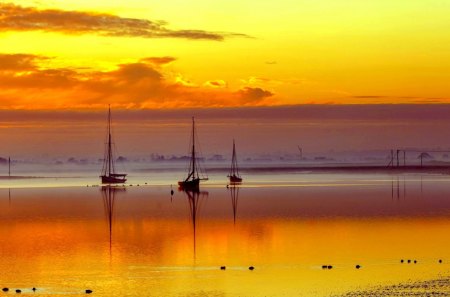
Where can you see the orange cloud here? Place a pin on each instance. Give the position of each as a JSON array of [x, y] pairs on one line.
[[143, 84], [17, 18]]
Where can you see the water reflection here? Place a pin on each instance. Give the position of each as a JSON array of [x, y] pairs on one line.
[[234, 192], [195, 199], [108, 194]]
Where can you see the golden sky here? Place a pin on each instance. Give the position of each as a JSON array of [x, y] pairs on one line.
[[170, 54]]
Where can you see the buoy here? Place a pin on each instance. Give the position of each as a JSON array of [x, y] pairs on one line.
[[440, 261], [222, 268], [5, 289], [409, 261], [34, 289], [88, 291], [324, 266], [401, 261], [415, 261], [171, 192], [358, 266], [330, 267], [18, 291], [251, 268]]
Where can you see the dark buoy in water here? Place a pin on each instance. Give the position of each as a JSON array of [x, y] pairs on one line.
[[409, 261], [415, 261], [88, 291], [329, 267], [358, 266], [440, 261], [18, 291], [171, 192], [222, 268], [5, 289], [34, 289], [251, 268], [401, 261], [324, 266]]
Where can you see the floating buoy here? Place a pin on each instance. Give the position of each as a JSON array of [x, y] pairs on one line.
[[415, 261], [324, 266], [18, 291], [88, 291], [440, 261], [358, 266], [251, 268], [409, 261], [329, 267], [401, 261], [34, 289], [222, 268], [5, 289]]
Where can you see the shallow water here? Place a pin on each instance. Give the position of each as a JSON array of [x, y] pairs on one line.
[[142, 241]]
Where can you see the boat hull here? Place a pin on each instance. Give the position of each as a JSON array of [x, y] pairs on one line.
[[112, 179], [189, 184], [235, 179]]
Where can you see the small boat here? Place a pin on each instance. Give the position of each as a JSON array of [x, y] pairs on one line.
[[234, 170], [109, 175], [192, 181]]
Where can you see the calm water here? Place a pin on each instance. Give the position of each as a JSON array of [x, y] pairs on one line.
[[142, 241]]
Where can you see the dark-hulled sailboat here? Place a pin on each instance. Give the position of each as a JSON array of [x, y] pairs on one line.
[[192, 181], [109, 175], [234, 170]]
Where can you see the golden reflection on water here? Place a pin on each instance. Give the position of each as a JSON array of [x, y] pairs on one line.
[[143, 242]]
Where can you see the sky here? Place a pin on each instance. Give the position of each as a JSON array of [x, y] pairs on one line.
[[63, 57]]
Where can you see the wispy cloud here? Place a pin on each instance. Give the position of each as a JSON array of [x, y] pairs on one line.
[[18, 18], [26, 84]]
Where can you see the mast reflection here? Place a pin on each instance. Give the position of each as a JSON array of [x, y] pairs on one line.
[[109, 196], [195, 199], [234, 192]]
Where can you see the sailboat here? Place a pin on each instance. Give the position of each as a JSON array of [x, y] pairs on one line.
[[234, 170], [109, 175], [192, 181]]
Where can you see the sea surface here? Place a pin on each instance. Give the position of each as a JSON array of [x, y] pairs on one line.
[[65, 234]]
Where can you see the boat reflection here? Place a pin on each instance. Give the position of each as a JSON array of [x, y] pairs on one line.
[[234, 192], [109, 196], [195, 199]]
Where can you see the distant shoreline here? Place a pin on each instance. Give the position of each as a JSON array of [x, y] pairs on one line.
[[438, 169], [22, 177]]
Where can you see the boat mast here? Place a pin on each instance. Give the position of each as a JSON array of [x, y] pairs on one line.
[[109, 142], [193, 150], [234, 167]]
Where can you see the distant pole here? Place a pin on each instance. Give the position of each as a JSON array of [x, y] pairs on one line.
[[404, 158], [9, 166], [398, 162], [301, 152], [421, 160]]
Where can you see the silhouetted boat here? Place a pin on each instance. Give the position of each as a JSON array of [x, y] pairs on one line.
[[109, 175], [193, 179], [234, 170]]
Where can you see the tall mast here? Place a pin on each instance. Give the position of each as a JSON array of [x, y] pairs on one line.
[[109, 141], [193, 148], [9, 166], [234, 168]]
